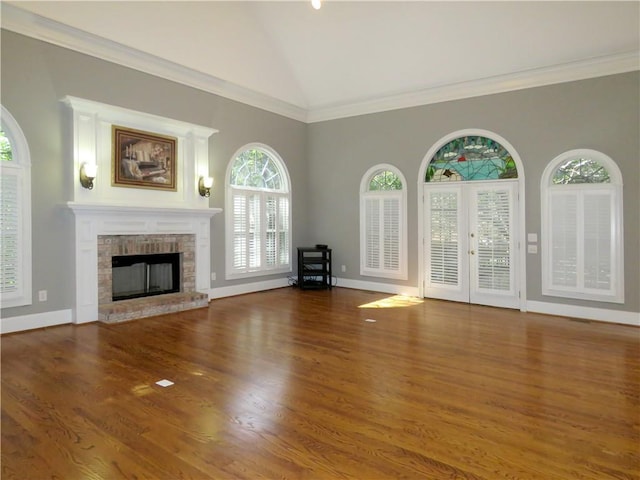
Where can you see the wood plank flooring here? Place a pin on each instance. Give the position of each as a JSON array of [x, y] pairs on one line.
[[292, 384]]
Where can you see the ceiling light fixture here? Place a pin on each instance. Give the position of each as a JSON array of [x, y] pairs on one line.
[[316, 4]]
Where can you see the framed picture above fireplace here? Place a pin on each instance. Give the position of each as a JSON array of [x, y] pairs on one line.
[[143, 160]]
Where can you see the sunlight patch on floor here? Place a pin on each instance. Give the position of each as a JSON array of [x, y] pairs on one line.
[[396, 301]]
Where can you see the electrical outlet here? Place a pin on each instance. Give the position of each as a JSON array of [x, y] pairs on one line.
[[42, 296], [343, 268], [213, 275]]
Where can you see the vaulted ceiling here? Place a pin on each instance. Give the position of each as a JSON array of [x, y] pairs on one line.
[[348, 57]]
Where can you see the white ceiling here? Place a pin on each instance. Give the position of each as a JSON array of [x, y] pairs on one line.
[[347, 57]]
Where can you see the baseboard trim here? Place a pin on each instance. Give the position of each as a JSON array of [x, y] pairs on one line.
[[377, 287], [588, 313], [221, 292], [61, 317], [35, 320]]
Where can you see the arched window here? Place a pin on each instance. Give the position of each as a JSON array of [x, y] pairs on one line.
[[15, 214], [258, 219], [582, 231], [383, 223], [472, 157]]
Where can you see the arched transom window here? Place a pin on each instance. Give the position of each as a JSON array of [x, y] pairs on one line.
[[383, 223], [582, 234], [258, 213], [472, 157]]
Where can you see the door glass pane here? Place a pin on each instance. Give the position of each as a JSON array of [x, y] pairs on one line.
[[494, 241], [444, 238]]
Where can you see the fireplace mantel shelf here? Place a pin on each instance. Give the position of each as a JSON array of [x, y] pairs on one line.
[[111, 209]]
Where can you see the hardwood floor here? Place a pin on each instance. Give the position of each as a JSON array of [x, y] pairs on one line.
[[292, 384]]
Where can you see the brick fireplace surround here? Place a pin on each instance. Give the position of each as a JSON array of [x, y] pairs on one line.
[[115, 245], [106, 230]]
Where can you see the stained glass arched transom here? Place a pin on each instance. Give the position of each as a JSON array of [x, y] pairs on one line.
[[255, 168], [385, 180], [580, 170], [471, 157]]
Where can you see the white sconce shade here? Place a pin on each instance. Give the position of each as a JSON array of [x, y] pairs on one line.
[[205, 184], [88, 173]]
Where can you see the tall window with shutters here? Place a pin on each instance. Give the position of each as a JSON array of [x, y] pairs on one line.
[[15, 214], [582, 230], [258, 219], [383, 223]]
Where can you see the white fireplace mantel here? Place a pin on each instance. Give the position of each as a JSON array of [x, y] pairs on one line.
[[92, 220]]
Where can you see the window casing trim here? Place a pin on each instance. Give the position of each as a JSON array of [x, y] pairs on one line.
[[232, 273], [20, 167], [401, 196], [615, 294]]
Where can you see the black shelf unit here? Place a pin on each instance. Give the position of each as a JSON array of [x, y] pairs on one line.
[[314, 268]]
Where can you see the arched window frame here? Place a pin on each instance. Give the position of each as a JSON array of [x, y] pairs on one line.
[[281, 198], [19, 171], [396, 201], [556, 202]]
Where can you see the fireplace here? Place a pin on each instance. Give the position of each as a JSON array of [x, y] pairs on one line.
[[104, 231], [136, 276]]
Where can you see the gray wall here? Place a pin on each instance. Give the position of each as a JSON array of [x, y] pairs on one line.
[[36, 75], [540, 123], [326, 160]]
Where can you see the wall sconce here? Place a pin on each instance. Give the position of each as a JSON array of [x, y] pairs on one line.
[[88, 174], [204, 186]]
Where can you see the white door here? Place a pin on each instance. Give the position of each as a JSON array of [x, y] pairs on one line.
[[470, 242]]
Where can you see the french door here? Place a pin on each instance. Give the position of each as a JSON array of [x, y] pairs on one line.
[[470, 242]]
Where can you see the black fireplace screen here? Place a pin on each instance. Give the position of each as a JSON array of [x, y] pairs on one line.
[[135, 276]]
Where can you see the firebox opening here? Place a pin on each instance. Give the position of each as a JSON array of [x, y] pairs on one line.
[[135, 276]]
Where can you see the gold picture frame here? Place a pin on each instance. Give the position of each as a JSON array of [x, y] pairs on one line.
[[143, 160]]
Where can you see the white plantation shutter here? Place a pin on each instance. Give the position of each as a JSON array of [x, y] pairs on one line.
[[271, 252], [383, 235], [283, 247], [581, 255], [598, 254], [255, 228], [373, 242], [246, 231], [443, 260], [494, 243], [582, 247], [240, 231], [10, 233], [391, 250], [564, 239]]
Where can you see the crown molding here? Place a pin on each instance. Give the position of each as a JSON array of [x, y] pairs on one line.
[[35, 26], [581, 70]]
